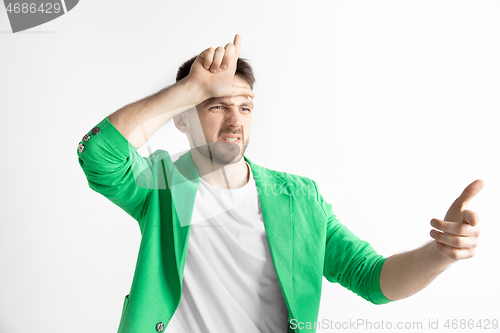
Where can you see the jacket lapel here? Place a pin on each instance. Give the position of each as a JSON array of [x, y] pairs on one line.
[[276, 205]]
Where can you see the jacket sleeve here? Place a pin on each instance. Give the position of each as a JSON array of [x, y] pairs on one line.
[[350, 261], [110, 162]]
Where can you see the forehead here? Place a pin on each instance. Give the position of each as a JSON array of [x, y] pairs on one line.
[[240, 81]]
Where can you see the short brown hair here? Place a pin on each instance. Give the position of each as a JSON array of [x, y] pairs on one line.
[[243, 69]]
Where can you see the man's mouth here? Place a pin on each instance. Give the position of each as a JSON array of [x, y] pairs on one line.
[[231, 138]]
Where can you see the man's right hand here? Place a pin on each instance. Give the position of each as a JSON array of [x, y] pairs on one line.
[[138, 121], [214, 69]]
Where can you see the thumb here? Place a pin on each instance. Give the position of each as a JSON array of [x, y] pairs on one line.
[[469, 192], [243, 91]]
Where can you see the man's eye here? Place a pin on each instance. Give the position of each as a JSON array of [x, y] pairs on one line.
[[220, 107]]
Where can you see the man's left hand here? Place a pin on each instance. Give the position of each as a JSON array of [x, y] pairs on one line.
[[456, 236]]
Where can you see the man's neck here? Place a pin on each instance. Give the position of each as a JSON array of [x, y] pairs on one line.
[[229, 176]]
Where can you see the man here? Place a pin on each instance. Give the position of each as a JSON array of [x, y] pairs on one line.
[[228, 245]]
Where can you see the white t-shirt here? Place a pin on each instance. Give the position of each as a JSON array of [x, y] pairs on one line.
[[230, 283]]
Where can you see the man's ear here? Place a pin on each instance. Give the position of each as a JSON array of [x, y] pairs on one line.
[[181, 123]]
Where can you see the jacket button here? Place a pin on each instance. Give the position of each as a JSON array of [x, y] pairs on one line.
[[96, 130], [160, 327], [81, 147], [86, 137]]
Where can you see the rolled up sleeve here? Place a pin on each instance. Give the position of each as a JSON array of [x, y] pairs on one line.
[[109, 162], [350, 261]]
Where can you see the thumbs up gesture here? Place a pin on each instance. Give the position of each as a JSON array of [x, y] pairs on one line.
[[456, 236]]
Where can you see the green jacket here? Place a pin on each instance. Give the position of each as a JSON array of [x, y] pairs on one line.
[[306, 239]]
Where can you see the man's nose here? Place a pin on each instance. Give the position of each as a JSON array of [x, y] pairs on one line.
[[234, 118]]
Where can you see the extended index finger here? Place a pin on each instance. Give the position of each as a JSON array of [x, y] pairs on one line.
[[237, 47]]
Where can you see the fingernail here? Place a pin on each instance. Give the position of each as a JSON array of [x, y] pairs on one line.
[[207, 67], [213, 70], [223, 66]]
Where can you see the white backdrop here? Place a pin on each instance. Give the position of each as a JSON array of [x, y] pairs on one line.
[[391, 106]]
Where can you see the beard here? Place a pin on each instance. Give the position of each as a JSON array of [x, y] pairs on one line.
[[219, 152]]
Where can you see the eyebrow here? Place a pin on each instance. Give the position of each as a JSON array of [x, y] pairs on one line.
[[219, 102]]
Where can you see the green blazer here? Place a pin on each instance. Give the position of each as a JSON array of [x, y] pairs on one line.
[[306, 239]]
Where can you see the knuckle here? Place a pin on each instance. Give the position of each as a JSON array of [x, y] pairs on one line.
[[462, 229], [454, 255], [456, 242]]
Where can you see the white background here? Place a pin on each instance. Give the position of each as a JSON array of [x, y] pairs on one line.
[[390, 106]]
